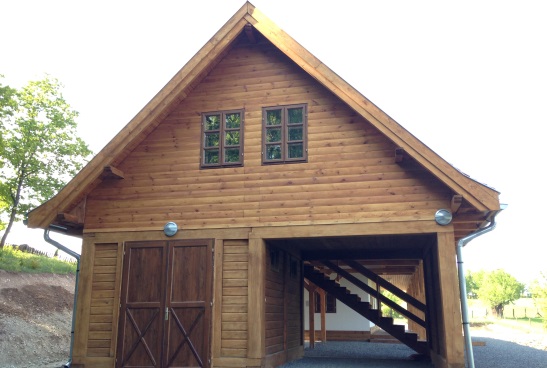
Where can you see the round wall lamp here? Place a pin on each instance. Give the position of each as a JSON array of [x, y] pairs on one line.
[[443, 217], [170, 229]]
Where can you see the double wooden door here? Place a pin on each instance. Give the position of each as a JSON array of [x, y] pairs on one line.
[[165, 315]]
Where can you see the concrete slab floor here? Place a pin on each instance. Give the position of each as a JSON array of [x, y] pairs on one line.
[[337, 354]]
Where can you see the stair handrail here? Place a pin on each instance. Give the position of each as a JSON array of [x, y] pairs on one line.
[[369, 290], [386, 284]]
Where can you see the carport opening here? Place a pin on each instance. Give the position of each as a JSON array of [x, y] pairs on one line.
[[358, 272]]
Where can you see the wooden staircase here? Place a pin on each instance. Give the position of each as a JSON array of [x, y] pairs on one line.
[[363, 308]]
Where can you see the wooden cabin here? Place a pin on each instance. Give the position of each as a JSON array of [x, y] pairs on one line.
[[254, 176]]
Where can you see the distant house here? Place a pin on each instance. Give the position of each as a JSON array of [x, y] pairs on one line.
[[254, 174]]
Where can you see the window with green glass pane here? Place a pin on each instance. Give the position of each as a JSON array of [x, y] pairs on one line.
[[222, 143], [273, 117], [233, 121], [296, 150], [212, 122], [212, 139], [231, 138], [295, 116], [273, 135], [231, 155], [211, 157], [284, 134], [273, 152], [296, 133]]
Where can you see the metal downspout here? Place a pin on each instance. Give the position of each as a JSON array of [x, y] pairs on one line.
[[77, 256], [463, 289]]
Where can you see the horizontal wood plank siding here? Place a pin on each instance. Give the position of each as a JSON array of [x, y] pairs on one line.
[[234, 298], [351, 175], [293, 295], [275, 302], [102, 307]]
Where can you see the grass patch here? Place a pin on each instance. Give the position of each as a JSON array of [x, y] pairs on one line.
[[14, 260]]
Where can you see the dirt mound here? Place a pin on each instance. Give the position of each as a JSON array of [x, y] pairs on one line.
[[35, 319]]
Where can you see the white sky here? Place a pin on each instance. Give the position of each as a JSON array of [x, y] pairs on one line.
[[468, 78]]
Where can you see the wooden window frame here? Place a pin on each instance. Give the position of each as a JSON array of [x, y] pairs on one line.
[[330, 304], [222, 134], [284, 142]]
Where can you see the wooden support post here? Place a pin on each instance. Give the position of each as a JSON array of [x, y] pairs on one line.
[[323, 296], [311, 316], [378, 302], [451, 335], [84, 299], [217, 306], [256, 346]]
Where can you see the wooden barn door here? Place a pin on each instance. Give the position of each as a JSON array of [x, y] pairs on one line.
[[142, 303], [166, 299]]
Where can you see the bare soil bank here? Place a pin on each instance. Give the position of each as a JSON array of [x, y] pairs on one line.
[[35, 319]]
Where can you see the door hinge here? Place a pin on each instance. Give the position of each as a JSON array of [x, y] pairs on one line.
[[167, 313]]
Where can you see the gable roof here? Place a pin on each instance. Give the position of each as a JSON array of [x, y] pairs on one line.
[[481, 197]]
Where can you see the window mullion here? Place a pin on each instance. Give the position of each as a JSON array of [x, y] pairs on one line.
[[285, 133], [222, 137]]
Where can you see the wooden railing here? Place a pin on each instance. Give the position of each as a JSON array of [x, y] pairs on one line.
[[375, 293]]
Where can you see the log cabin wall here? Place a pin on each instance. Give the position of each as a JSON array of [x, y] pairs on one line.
[[97, 304], [283, 308], [103, 314], [351, 175], [275, 302], [294, 300], [234, 317]]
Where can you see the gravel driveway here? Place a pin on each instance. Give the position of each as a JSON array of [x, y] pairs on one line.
[[496, 353]]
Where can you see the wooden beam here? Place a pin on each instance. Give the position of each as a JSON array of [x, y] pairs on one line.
[[456, 203], [110, 172], [357, 254], [367, 289], [451, 335], [311, 316], [256, 344], [385, 284], [323, 296], [69, 220]]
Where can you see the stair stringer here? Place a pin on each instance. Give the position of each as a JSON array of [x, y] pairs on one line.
[[363, 308]]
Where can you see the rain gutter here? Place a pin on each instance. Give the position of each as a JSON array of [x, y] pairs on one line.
[[463, 289], [77, 257]]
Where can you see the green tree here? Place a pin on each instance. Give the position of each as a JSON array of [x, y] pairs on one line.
[[386, 310], [8, 103], [473, 282], [39, 148], [7, 108], [497, 289], [538, 288]]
